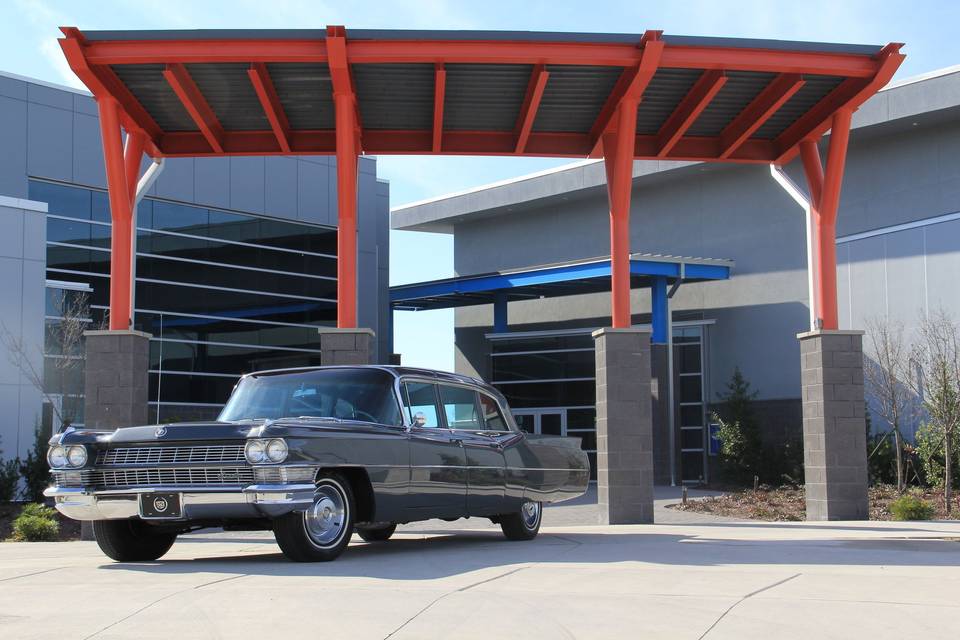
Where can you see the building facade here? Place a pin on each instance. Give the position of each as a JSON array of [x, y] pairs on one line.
[[898, 256], [235, 262]]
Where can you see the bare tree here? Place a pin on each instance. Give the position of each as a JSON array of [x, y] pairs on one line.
[[937, 382], [64, 341], [886, 374]]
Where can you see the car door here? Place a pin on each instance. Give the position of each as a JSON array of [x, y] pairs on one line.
[[438, 473], [483, 448]]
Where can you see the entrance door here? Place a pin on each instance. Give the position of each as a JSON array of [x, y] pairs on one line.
[[548, 422]]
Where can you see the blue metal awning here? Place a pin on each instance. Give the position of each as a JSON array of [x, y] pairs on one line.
[[554, 280]]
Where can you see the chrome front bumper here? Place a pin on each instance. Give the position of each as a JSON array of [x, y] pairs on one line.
[[198, 503]]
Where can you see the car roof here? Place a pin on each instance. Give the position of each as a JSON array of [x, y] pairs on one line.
[[396, 370]]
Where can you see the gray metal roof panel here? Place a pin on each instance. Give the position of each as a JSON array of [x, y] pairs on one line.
[[151, 89], [665, 91], [484, 97], [815, 88], [227, 89], [739, 90], [395, 96], [306, 94], [574, 96]]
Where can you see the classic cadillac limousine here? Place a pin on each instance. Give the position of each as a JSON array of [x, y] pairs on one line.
[[316, 455]]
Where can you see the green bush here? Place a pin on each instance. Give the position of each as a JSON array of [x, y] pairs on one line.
[[37, 510], [930, 451], [9, 478], [741, 451], [908, 507], [36, 523], [35, 470]]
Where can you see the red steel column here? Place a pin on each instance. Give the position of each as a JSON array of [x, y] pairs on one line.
[[825, 188], [829, 204], [346, 124], [813, 169], [618, 151], [121, 233]]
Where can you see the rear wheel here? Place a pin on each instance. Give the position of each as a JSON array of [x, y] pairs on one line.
[[377, 534], [322, 532], [131, 540], [524, 524]]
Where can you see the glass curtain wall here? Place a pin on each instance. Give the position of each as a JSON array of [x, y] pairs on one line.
[[222, 292]]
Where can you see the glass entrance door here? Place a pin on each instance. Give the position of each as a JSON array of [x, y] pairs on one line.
[[548, 422]]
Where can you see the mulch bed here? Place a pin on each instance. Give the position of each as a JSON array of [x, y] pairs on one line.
[[785, 504], [69, 529]]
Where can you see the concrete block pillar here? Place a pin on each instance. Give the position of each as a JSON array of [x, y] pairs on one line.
[[834, 425], [624, 426], [346, 346], [116, 378]]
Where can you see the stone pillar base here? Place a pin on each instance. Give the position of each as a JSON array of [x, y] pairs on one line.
[[116, 378], [346, 346], [834, 425], [624, 427]]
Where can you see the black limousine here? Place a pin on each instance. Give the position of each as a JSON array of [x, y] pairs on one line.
[[315, 455]]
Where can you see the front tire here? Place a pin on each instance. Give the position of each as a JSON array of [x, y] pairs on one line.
[[377, 534], [131, 540], [323, 531], [525, 523]]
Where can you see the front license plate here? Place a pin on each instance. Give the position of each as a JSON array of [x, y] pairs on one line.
[[160, 505]]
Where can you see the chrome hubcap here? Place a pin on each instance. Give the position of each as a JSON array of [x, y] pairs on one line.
[[325, 520], [531, 514]]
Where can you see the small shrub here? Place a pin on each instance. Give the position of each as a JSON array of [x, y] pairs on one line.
[[9, 478], [910, 507], [40, 511], [35, 470], [32, 528]]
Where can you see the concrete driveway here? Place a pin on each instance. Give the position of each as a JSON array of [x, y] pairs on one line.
[[715, 580]]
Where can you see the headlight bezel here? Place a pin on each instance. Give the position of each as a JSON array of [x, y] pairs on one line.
[[62, 452], [257, 451], [281, 445], [77, 448]]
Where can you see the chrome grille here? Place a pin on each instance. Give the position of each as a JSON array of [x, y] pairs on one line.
[[192, 476], [171, 455]]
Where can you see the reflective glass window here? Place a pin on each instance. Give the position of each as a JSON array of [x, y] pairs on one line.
[[420, 404], [460, 407]]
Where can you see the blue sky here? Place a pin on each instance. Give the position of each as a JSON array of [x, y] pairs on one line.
[[28, 32]]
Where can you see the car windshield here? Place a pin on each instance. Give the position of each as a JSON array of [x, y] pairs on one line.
[[346, 394]]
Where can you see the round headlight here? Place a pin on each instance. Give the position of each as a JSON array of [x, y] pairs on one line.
[[277, 450], [77, 456], [57, 457], [255, 451]]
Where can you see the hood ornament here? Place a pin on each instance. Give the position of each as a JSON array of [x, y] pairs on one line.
[[160, 432]]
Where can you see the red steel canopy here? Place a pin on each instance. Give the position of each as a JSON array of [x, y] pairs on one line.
[[616, 96]]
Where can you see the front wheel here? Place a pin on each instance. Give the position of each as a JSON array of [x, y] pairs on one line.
[[131, 540], [323, 531], [524, 524]]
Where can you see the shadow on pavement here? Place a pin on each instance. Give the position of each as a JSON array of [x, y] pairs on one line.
[[451, 553]]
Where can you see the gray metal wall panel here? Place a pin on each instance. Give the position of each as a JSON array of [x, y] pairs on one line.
[[177, 180], [13, 88], [280, 187], [13, 159], [868, 290], [87, 163], [50, 142], [943, 266], [247, 183], [211, 182], [312, 197], [41, 94], [905, 275]]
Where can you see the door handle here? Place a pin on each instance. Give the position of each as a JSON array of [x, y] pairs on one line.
[[458, 441]]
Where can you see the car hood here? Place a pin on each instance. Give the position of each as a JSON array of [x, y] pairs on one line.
[[180, 432]]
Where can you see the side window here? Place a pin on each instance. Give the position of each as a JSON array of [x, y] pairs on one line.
[[460, 408], [491, 414], [420, 404]]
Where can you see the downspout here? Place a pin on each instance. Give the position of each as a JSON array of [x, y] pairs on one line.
[[801, 199], [146, 181]]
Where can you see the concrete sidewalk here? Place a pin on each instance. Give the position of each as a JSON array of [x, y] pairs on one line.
[[720, 580]]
